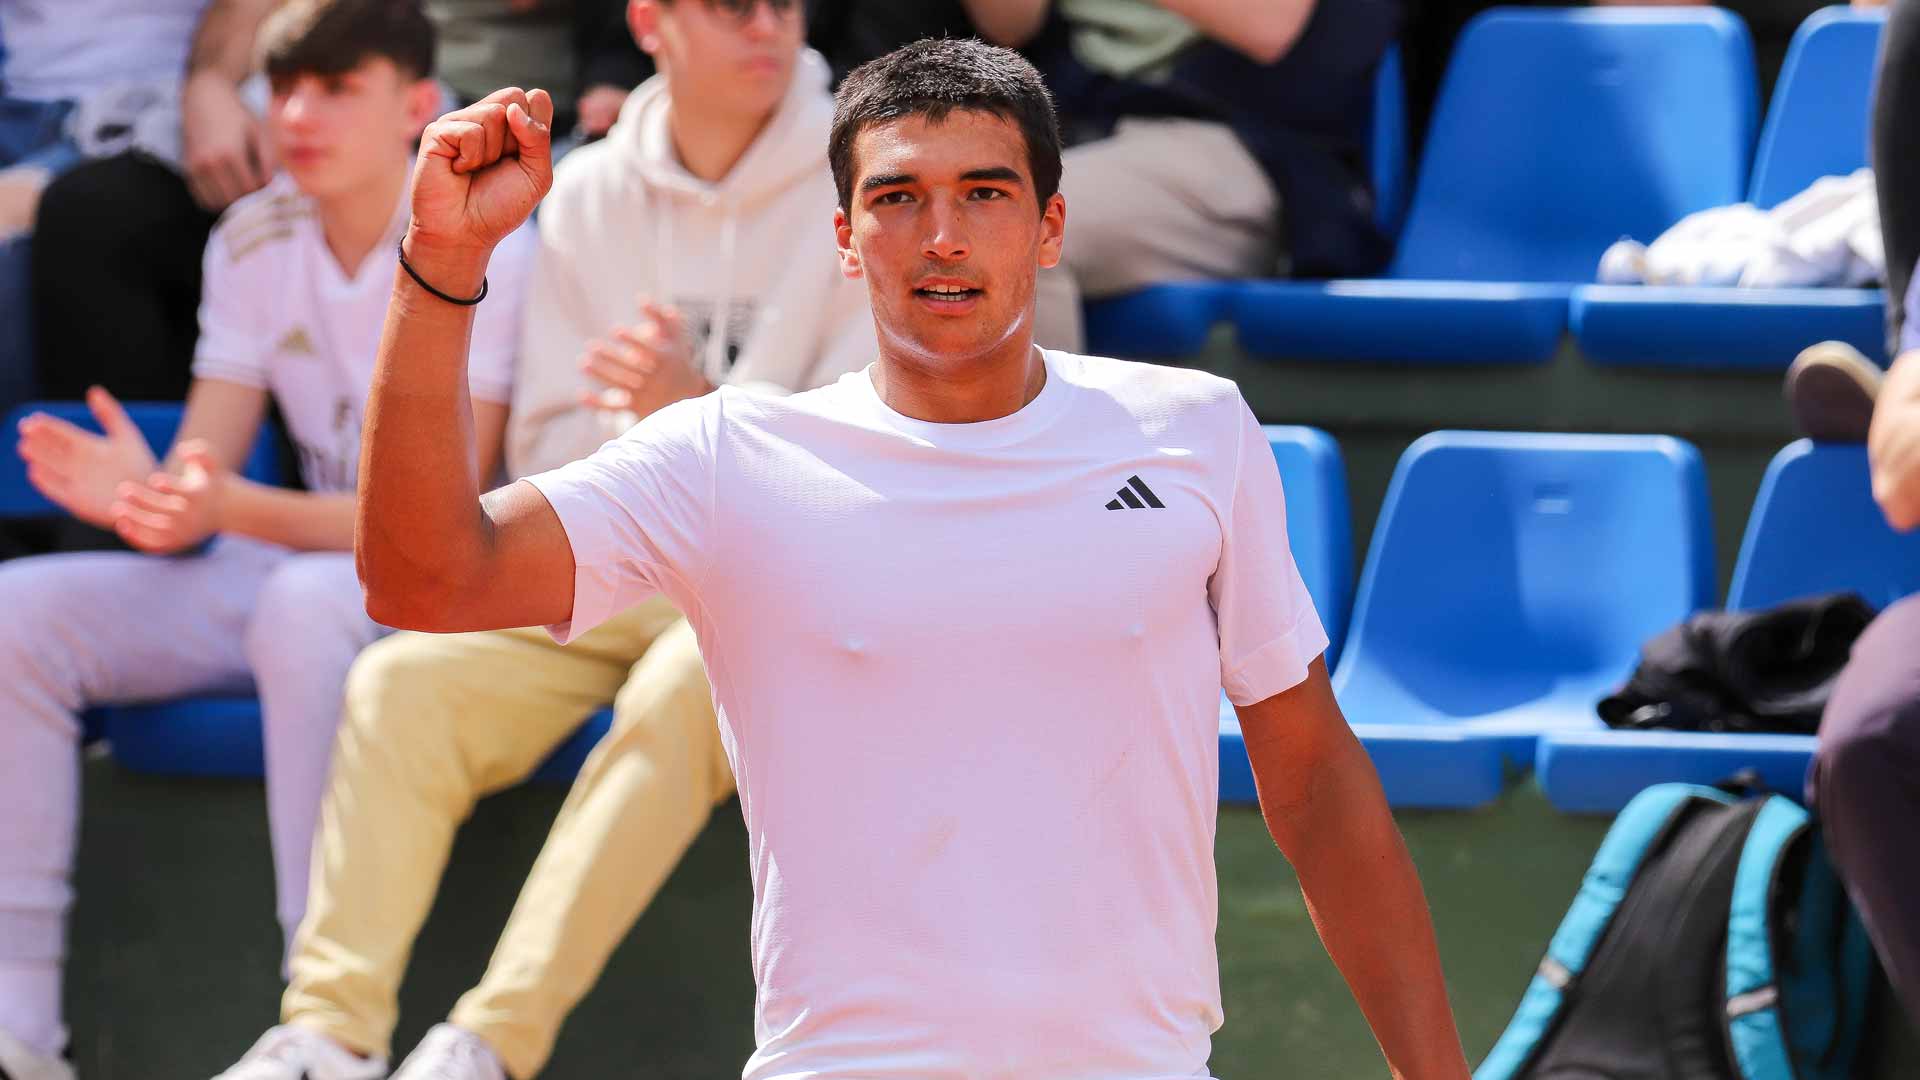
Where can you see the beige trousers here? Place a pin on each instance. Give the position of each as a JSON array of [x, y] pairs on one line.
[[432, 724], [1159, 200]]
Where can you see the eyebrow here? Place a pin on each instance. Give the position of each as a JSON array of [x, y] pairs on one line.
[[994, 172]]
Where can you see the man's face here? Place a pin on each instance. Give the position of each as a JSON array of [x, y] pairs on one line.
[[948, 231], [730, 55], [334, 133]]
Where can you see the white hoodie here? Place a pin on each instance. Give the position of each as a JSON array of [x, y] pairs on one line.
[[626, 219]]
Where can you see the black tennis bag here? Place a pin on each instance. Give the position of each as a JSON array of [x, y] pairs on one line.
[[1710, 940]]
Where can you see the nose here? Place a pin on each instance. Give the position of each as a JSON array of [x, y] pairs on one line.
[[298, 106], [947, 239], [765, 21]]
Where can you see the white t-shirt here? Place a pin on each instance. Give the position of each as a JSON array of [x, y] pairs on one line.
[[973, 710], [59, 50], [278, 313]]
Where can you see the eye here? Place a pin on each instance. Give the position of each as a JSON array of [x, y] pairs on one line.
[[894, 198], [986, 193]]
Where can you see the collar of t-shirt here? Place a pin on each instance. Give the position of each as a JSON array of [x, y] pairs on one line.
[[1024, 423]]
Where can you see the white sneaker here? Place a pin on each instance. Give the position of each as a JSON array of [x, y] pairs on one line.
[[452, 1053], [288, 1052], [17, 1062]]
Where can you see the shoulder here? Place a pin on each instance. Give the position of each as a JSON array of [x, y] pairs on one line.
[[1157, 395], [266, 220], [583, 175]]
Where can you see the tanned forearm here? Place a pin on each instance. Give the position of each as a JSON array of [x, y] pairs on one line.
[[1893, 444], [1366, 902], [1325, 809], [1264, 30], [223, 43], [422, 537]]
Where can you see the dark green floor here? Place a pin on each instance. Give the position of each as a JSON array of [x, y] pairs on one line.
[[175, 953]]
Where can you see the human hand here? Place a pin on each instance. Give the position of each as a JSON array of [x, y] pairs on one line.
[[645, 367], [480, 173], [225, 149], [599, 107], [171, 512], [81, 471]]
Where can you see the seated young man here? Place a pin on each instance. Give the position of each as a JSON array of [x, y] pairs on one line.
[[973, 714], [238, 585], [684, 251], [1206, 139]]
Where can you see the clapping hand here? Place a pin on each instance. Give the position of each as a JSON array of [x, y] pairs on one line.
[[80, 471], [645, 367], [171, 512]]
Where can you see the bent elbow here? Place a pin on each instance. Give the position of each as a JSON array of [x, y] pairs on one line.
[[1899, 503]]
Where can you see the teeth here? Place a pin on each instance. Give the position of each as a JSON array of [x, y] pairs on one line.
[[948, 290]]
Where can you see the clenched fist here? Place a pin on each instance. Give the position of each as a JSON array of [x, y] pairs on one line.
[[480, 173]]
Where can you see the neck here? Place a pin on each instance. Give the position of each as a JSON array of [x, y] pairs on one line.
[[999, 383], [354, 222], [709, 141]]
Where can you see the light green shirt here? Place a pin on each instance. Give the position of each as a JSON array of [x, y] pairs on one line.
[[1127, 39]]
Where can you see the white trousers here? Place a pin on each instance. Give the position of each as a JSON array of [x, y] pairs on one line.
[[1160, 199], [111, 628]]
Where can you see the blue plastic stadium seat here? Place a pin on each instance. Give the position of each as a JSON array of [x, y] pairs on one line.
[[1175, 319], [1814, 529], [156, 420], [1557, 131], [1817, 126], [1320, 533], [220, 736], [1511, 581]]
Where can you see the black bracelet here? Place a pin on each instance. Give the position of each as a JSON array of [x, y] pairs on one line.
[[415, 275]]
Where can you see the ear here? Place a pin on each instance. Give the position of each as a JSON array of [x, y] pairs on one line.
[[1053, 231], [423, 105], [643, 22], [850, 267]]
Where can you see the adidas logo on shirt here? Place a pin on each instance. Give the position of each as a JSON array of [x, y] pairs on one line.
[[1130, 496], [297, 343]]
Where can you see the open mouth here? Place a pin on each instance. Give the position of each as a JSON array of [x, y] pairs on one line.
[[947, 294]]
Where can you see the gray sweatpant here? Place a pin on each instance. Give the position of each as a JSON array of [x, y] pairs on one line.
[[110, 628], [1865, 784]]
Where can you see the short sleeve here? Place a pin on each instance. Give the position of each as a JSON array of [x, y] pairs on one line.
[[234, 341], [1269, 631], [496, 324], [638, 514]]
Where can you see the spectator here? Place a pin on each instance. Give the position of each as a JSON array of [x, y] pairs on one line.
[[710, 202], [125, 233], [239, 584], [1865, 780], [1208, 138], [114, 62], [851, 32], [581, 48]]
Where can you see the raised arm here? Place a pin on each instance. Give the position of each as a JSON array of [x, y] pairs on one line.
[[1324, 807], [1893, 444], [432, 553], [1012, 23], [226, 153]]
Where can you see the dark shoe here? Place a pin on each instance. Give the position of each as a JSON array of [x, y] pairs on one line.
[[1831, 390]]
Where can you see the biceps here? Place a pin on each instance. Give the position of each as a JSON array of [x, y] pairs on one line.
[[529, 569]]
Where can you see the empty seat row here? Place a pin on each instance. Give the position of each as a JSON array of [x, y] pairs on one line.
[[1557, 132]]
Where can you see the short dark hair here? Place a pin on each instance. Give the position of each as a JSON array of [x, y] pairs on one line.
[[331, 37], [939, 76]]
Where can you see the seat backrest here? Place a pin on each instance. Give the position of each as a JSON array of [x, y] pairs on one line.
[[158, 421], [1558, 131], [1817, 123], [1552, 555], [1319, 522], [1815, 528], [1388, 148]]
